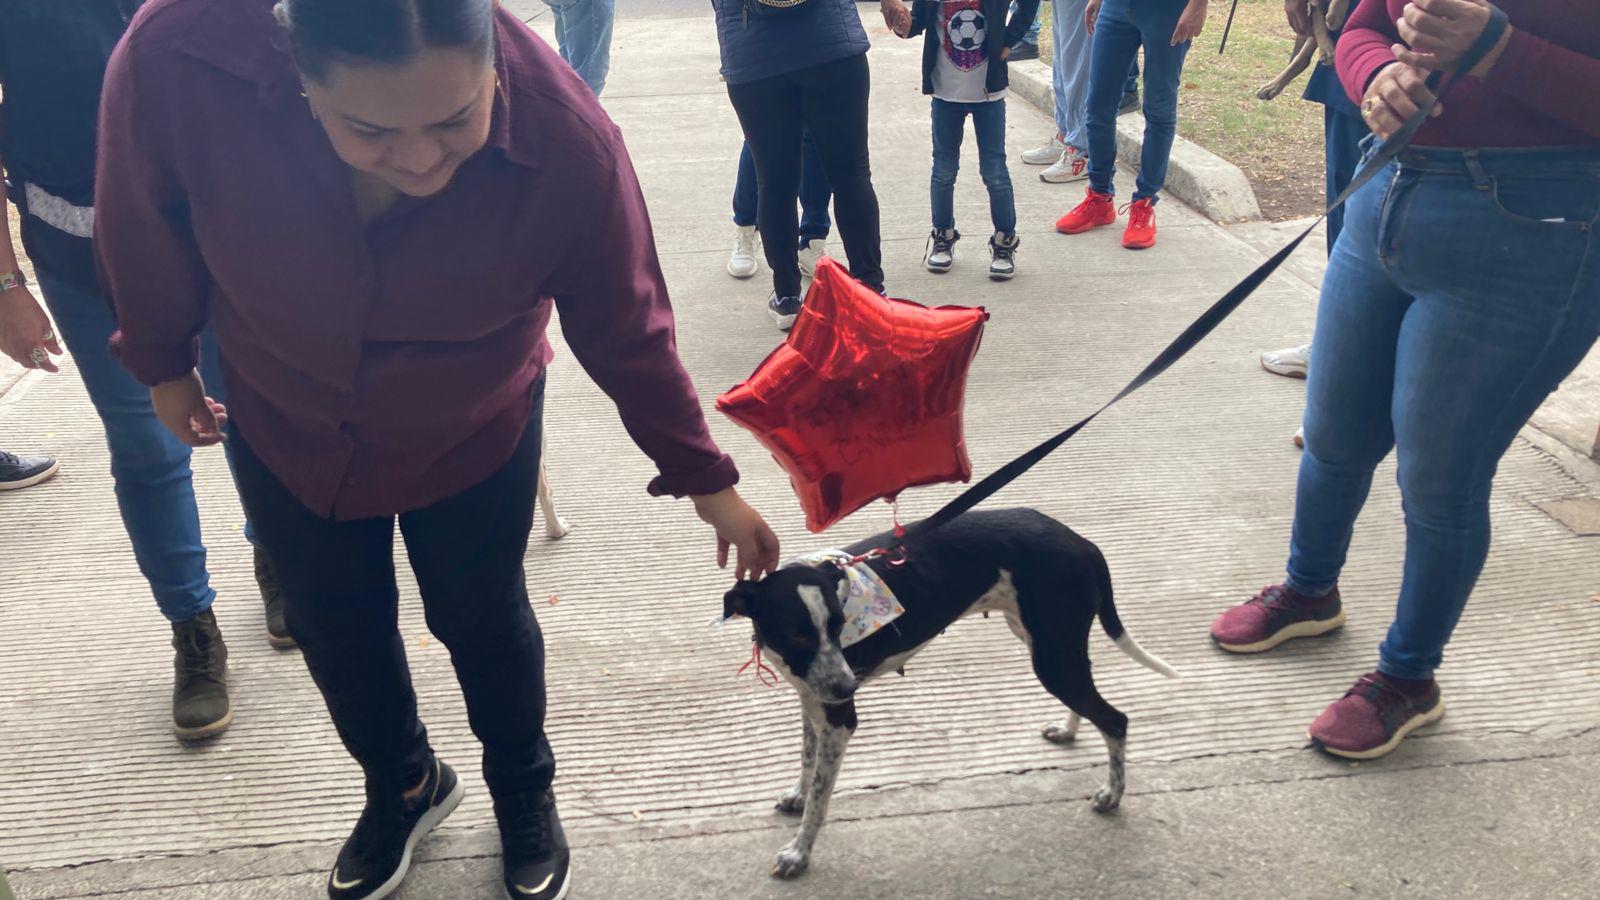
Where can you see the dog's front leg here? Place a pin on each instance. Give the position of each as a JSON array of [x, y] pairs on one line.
[[834, 726], [795, 800]]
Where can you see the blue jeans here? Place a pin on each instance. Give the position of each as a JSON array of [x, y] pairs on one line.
[[1123, 27], [949, 127], [1070, 71], [1341, 137], [1453, 305], [583, 34], [815, 192], [150, 467]]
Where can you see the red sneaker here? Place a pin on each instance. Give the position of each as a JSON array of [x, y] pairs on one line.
[[1273, 616], [1097, 209], [1141, 232], [1375, 715]]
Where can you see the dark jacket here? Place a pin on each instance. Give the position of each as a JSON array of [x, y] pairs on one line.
[[924, 21], [756, 46]]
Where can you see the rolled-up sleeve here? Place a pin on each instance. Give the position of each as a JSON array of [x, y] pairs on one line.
[[1364, 47], [149, 264], [617, 319]]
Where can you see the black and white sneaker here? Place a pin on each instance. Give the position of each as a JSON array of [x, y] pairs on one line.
[[1002, 251], [941, 249], [533, 847], [18, 472], [377, 854], [784, 310]]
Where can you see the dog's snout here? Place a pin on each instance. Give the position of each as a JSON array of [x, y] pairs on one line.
[[845, 688]]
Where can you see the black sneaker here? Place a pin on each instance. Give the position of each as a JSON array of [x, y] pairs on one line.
[[200, 704], [533, 847], [377, 855], [784, 310], [1130, 102], [272, 596], [1023, 51], [18, 472], [941, 250], [1002, 253]]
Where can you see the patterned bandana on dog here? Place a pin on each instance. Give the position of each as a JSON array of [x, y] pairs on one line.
[[868, 603]]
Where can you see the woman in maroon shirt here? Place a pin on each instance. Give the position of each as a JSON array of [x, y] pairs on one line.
[[375, 204], [1464, 287]]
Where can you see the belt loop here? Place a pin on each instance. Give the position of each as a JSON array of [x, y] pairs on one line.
[[1480, 178]]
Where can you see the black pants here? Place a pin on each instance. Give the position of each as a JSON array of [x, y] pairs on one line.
[[341, 606], [831, 101]]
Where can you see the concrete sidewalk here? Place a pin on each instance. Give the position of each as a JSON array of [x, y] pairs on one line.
[[669, 764]]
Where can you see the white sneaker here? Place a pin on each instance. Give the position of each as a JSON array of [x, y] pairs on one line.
[[1046, 153], [742, 262], [1073, 165], [814, 250], [1002, 256], [942, 250], [1292, 361]]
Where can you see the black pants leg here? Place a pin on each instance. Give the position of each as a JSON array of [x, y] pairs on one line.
[[769, 112], [341, 606], [833, 100]]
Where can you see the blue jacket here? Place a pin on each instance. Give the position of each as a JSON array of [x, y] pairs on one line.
[[756, 46]]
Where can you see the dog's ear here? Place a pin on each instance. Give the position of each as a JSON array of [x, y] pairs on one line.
[[737, 602]]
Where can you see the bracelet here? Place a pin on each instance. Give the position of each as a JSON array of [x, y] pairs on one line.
[[10, 280]]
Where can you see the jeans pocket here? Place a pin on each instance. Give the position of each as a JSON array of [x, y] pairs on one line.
[[1563, 202]]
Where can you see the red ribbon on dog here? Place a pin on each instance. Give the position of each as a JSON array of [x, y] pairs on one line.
[[763, 671]]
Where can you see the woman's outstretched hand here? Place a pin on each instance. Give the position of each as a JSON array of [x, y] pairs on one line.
[[738, 525]]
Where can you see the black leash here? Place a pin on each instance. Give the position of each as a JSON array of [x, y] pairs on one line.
[[1225, 30], [1211, 318]]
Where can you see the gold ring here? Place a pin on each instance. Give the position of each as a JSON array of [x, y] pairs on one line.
[[1369, 105]]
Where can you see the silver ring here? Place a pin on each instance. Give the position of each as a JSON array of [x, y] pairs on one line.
[[38, 357], [49, 336]]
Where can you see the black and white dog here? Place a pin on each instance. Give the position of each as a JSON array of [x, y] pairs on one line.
[[1046, 580]]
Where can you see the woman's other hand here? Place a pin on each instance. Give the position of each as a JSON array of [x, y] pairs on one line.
[[186, 411]]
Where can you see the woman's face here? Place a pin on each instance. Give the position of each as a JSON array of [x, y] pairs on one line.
[[410, 125]]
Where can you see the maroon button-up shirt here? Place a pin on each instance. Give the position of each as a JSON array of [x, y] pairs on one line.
[[379, 368]]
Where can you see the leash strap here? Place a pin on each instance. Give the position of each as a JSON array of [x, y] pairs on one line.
[[1219, 311]]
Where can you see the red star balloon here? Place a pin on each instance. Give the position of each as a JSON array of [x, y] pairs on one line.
[[865, 397]]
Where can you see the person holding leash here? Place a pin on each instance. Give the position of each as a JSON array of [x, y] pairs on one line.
[[349, 193], [1461, 292]]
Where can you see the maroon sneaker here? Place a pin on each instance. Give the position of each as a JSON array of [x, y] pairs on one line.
[[1273, 616], [1375, 715]]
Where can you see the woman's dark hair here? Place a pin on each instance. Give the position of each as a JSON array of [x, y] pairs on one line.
[[323, 32]]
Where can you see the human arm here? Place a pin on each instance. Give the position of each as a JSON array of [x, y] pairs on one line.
[[1554, 80], [1021, 21], [897, 16], [24, 327], [149, 263], [1190, 23], [616, 317]]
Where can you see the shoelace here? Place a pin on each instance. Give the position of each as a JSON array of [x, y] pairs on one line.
[[9, 459], [525, 827], [1001, 251], [193, 659], [1140, 215], [939, 243], [1381, 694], [1273, 595]]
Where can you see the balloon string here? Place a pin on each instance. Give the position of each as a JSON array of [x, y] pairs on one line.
[[763, 671]]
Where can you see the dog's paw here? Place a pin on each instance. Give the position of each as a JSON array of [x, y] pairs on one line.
[[792, 803], [790, 863], [557, 529], [1105, 800], [1059, 733]]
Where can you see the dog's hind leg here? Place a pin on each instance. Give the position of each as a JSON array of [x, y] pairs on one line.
[[1073, 685], [834, 724], [794, 801]]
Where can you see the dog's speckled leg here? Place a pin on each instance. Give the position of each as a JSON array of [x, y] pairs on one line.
[[1109, 797], [834, 725], [794, 801]]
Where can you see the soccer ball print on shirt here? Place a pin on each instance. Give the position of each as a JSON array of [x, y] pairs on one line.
[[965, 32]]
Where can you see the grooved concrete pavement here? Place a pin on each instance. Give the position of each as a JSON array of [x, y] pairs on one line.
[[667, 759]]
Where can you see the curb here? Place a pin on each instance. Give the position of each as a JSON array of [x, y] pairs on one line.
[[1212, 185]]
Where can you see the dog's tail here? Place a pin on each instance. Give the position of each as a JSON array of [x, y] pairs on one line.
[[1124, 641]]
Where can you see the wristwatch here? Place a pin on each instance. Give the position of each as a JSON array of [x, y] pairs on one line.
[[9, 280]]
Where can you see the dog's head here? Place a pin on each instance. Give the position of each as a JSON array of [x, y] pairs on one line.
[[798, 614]]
